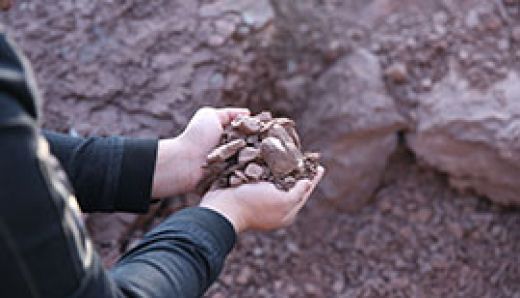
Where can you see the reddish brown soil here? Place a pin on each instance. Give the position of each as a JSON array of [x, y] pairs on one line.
[[141, 68]]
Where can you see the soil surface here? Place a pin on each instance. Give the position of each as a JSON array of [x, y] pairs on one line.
[[141, 68]]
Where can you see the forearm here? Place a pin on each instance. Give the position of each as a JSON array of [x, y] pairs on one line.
[[179, 258], [108, 174]]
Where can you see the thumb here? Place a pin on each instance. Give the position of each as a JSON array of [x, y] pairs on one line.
[[297, 193], [226, 115]]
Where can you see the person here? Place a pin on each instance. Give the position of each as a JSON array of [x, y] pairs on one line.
[[44, 248]]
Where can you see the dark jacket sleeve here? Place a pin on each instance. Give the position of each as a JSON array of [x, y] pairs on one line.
[[108, 174], [44, 249]]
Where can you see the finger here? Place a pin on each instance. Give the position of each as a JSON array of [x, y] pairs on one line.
[[226, 115], [297, 193], [307, 195]]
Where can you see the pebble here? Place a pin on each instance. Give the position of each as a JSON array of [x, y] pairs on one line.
[[426, 84], [226, 151], [248, 154], [397, 72], [235, 181], [254, 171]]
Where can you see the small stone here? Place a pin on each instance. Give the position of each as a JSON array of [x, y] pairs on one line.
[[247, 125], [254, 171], [426, 84], [253, 140], [279, 160], [248, 154], [277, 131], [397, 73], [226, 151], [284, 122], [235, 181], [241, 175]]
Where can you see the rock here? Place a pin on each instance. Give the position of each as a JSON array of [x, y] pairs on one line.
[[226, 151], [472, 135], [254, 171], [235, 181], [397, 73], [264, 116], [248, 154], [247, 125], [277, 131], [277, 157], [241, 175], [358, 129]]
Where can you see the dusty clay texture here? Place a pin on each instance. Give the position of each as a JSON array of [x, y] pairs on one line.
[[473, 135], [362, 79], [259, 148], [357, 131]]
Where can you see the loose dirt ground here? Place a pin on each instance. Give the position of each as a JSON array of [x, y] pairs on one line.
[[141, 68]]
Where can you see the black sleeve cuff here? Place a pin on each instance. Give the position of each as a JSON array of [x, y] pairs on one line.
[[210, 225], [137, 171]]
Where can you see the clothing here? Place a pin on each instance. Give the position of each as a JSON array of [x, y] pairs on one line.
[[44, 249]]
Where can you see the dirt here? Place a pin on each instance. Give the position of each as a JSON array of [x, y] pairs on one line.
[[259, 148], [141, 68], [417, 239]]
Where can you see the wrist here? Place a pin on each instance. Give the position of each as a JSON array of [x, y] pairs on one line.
[[172, 169], [228, 211]]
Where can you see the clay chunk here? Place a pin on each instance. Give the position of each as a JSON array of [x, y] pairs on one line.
[[254, 171], [279, 159], [248, 154], [260, 148], [226, 151], [247, 125]]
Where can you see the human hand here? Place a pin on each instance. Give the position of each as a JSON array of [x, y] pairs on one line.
[[260, 206], [180, 160]]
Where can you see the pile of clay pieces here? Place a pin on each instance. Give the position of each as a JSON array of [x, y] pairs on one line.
[[260, 148]]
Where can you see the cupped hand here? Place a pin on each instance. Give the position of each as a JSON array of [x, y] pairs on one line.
[[180, 160], [260, 206]]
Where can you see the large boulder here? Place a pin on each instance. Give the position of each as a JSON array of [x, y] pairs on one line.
[[473, 135], [354, 123]]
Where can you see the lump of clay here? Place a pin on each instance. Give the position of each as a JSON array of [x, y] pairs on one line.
[[259, 148]]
